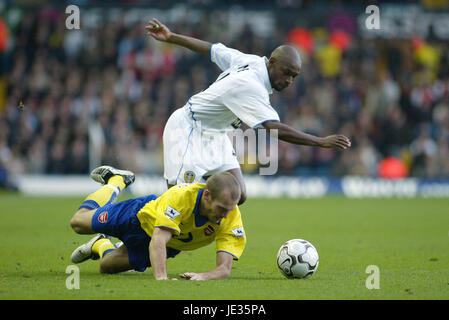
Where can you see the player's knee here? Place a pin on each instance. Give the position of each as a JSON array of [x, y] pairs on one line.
[[107, 268], [78, 223], [75, 224]]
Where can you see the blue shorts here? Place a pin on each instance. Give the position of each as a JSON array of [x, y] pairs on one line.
[[120, 220]]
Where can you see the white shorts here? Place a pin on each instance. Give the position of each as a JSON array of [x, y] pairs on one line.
[[190, 153]]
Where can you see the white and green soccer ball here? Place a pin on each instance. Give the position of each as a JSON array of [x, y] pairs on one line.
[[297, 259]]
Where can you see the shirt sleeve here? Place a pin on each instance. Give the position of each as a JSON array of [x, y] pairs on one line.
[[250, 103], [168, 215], [225, 57], [232, 239]]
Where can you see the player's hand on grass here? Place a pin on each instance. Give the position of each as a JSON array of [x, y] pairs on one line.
[[335, 141], [192, 276], [157, 30]]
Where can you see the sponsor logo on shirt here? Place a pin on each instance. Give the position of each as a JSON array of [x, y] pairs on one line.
[[184, 237]]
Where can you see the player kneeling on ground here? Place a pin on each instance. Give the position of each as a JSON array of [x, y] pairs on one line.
[[152, 229]]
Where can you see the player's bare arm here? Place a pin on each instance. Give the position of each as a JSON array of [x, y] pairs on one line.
[[160, 32], [289, 134], [158, 252], [222, 271]]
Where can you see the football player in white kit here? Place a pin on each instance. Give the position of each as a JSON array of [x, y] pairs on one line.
[[195, 138]]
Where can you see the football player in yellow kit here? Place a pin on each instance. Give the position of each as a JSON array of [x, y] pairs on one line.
[[152, 229]]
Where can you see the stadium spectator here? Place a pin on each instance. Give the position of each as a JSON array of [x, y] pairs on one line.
[[108, 74]]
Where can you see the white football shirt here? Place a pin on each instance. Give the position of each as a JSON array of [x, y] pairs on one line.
[[240, 93]]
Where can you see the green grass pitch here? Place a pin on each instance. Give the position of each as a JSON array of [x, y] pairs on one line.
[[407, 239]]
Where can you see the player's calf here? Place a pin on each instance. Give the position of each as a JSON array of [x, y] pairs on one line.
[[116, 261]]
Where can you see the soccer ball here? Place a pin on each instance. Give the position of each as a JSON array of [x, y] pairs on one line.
[[297, 259]]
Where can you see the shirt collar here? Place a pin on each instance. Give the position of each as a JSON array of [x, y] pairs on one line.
[[199, 219], [266, 77]]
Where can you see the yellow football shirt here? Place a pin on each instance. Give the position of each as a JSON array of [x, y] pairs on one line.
[[178, 210]]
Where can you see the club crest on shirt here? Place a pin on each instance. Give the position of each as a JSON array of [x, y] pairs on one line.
[[189, 176], [209, 230], [103, 217], [171, 213]]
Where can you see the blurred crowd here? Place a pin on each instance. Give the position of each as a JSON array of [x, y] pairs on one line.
[[70, 98]]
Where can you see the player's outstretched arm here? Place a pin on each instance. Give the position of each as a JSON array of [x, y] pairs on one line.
[[158, 252], [222, 271], [160, 32], [289, 134]]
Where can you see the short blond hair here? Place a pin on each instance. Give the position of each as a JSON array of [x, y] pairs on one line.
[[220, 183]]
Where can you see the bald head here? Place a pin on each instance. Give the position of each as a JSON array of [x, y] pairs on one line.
[[287, 54], [283, 66]]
